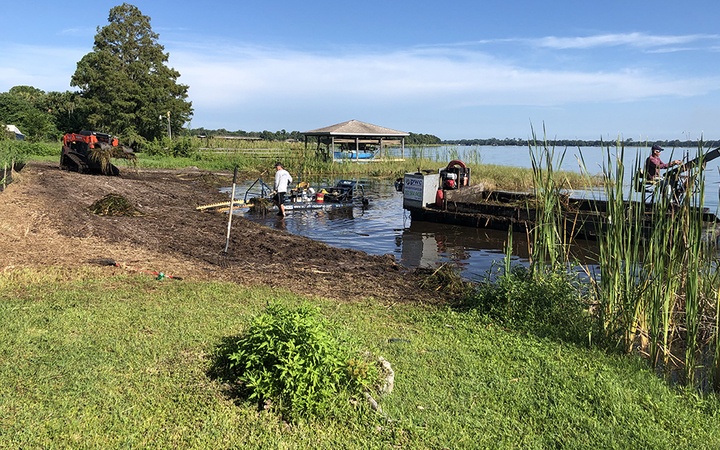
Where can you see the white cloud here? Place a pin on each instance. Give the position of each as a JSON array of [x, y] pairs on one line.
[[248, 75], [638, 40], [79, 31], [224, 75]]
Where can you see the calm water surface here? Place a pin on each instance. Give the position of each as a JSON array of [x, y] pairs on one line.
[[385, 227]]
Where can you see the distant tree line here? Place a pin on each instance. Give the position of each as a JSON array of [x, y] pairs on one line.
[[422, 139], [265, 135], [283, 135], [580, 143]]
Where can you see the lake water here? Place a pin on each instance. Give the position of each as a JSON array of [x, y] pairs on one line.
[[385, 227]]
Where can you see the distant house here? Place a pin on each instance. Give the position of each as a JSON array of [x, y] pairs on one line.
[[13, 131]]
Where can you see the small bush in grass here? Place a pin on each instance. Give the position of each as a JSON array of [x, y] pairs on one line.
[[292, 360], [546, 303]]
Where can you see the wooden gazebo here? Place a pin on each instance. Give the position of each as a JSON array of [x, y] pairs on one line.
[[354, 135]]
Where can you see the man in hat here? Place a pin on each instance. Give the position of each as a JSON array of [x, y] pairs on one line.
[[653, 164], [282, 180]]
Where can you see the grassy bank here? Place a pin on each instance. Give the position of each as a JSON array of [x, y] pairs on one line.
[[90, 360], [253, 160]]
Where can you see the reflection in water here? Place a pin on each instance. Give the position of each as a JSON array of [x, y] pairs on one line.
[[385, 227], [279, 223], [475, 251]]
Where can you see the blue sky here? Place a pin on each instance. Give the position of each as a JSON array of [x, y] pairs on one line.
[[645, 70]]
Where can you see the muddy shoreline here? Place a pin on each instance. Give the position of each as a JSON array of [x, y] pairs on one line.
[[45, 220]]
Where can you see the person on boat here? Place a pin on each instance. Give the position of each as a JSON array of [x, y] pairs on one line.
[[282, 180], [654, 164]]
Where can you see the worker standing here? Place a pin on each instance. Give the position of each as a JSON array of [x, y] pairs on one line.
[[282, 181]]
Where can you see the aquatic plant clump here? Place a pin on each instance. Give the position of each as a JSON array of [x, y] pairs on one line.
[[103, 155], [260, 205], [114, 205]]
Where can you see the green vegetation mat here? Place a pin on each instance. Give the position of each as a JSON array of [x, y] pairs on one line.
[[89, 361]]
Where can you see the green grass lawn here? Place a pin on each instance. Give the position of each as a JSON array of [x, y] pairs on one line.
[[89, 361]]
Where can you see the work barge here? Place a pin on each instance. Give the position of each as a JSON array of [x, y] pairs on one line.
[[447, 197]]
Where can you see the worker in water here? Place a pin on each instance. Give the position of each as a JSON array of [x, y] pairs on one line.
[[282, 181], [654, 164]]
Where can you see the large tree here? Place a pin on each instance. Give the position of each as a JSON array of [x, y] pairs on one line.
[[27, 108], [68, 109], [127, 86]]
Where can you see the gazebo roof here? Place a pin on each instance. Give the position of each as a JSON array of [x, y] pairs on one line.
[[355, 128]]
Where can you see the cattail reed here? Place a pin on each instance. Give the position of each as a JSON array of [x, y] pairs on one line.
[[550, 241], [656, 293]]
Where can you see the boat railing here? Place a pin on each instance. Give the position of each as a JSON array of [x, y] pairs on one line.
[[677, 182], [674, 186], [345, 191], [259, 184]]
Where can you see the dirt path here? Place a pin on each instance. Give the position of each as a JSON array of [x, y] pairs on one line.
[[45, 220]]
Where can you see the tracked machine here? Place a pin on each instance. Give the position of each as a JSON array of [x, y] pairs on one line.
[[91, 152]]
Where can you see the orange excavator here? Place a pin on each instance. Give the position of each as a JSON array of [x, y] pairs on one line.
[[91, 151]]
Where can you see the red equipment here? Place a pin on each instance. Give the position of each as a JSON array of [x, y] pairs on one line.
[[90, 152], [455, 175]]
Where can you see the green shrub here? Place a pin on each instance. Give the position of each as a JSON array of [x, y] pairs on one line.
[[290, 360], [20, 151], [184, 147], [7, 152], [546, 303], [40, 148], [178, 148], [157, 148]]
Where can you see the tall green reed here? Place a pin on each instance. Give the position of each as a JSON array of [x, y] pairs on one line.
[[657, 273], [662, 266], [550, 241], [700, 273], [716, 343], [681, 266], [621, 278], [657, 287]]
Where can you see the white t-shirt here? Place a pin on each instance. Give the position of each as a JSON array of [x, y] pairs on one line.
[[282, 179]]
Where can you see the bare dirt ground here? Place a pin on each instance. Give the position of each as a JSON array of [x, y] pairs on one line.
[[46, 220]]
